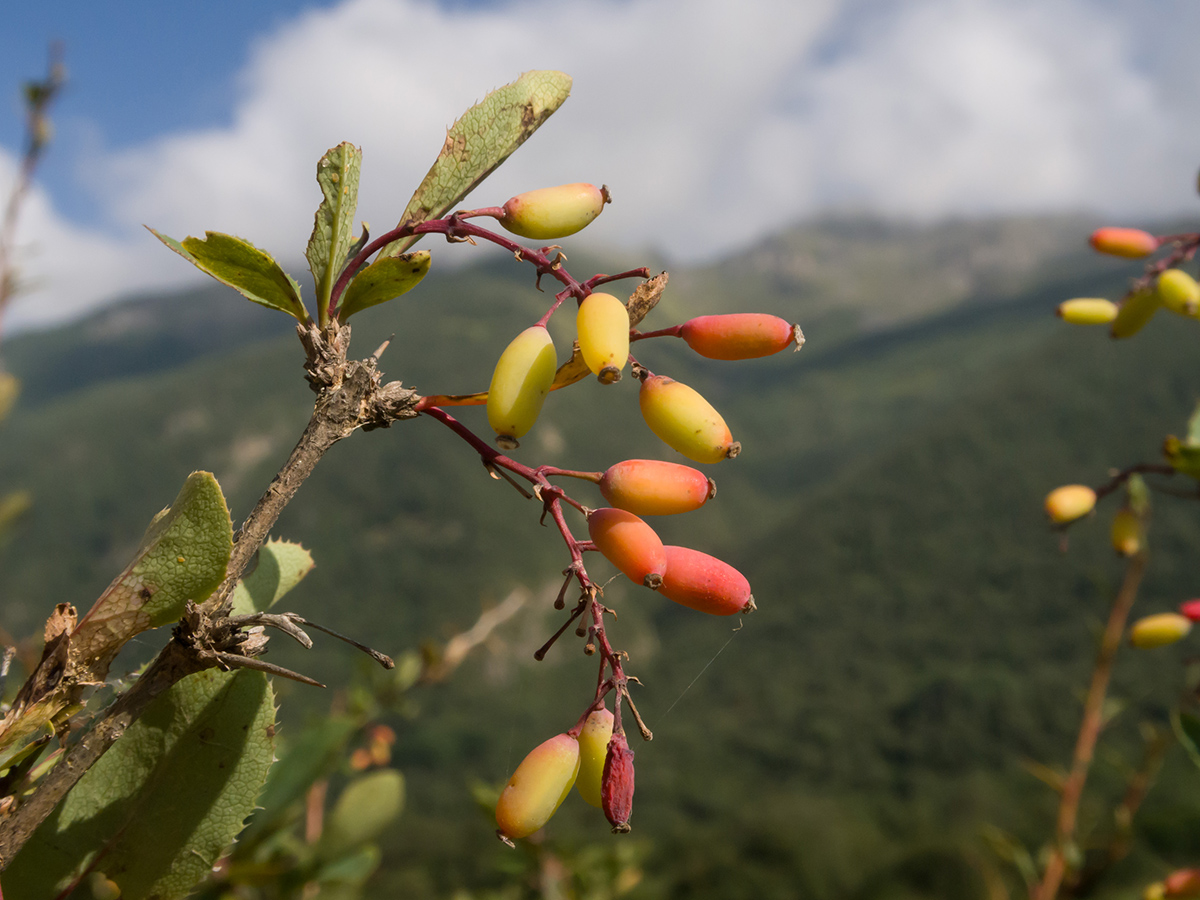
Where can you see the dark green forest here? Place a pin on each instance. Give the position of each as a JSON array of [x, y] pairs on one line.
[[919, 640]]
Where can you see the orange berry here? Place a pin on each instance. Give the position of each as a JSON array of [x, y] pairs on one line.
[[629, 544], [705, 583], [538, 786], [1159, 630], [685, 421], [551, 213], [1132, 243], [740, 335], [652, 487], [1069, 502], [1182, 883], [1087, 311], [603, 328], [593, 748]]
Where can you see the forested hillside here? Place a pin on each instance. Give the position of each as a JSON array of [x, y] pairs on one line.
[[918, 638]]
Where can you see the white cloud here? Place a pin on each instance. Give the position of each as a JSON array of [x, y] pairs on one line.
[[714, 123]]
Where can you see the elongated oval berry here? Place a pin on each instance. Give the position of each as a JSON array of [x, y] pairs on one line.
[[520, 383], [1159, 630], [1182, 883], [1133, 314], [1087, 311], [629, 544], [1069, 502], [685, 421], [593, 748], [538, 786], [653, 487], [740, 335], [554, 212], [1191, 609], [1126, 532], [616, 786], [1131, 243], [603, 328], [705, 583], [1178, 292]]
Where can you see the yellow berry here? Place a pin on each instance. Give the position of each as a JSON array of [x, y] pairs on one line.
[[685, 421], [1087, 311], [1069, 502], [538, 786], [1179, 292], [1134, 313], [1126, 532], [1159, 630], [520, 384], [593, 747], [603, 327], [555, 212]]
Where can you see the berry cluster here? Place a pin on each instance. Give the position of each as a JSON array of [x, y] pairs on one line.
[[594, 755], [1163, 284]]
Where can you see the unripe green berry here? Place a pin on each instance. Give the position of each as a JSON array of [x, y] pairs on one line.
[[685, 421], [1087, 311], [555, 212], [653, 487], [593, 748], [1069, 502], [538, 786], [520, 383], [603, 328]]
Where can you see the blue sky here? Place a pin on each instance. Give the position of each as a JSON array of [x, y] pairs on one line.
[[714, 123]]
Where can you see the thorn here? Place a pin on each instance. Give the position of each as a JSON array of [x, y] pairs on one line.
[[378, 353], [382, 658], [237, 661]]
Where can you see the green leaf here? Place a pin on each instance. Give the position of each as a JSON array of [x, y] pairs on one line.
[[182, 557], [337, 174], [281, 566], [1187, 730], [485, 136], [352, 870], [385, 279], [242, 266], [162, 805], [314, 755], [368, 805]]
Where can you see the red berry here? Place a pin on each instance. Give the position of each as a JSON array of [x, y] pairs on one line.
[[704, 583], [740, 335]]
